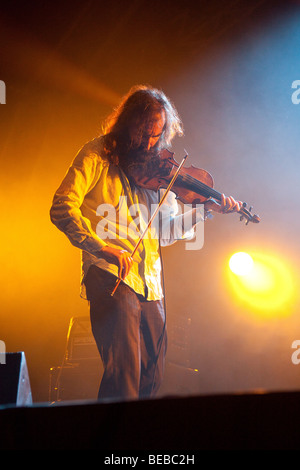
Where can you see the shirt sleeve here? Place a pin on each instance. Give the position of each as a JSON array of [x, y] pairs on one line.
[[177, 224], [65, 211]]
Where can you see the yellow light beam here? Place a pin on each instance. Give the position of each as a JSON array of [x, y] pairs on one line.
[[268, 286]]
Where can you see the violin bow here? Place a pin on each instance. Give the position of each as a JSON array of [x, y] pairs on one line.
[[153, 216]]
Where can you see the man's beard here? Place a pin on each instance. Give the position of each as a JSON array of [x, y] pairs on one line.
[[141, 162]]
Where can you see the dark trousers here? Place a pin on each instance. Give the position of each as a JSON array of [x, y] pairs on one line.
[[130, 335]]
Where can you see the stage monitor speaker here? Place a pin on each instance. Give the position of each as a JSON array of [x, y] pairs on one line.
[[14, 380]]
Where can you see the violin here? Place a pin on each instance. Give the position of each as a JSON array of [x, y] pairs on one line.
[[192, 185]]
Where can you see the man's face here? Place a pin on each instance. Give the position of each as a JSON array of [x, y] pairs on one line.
[[154, 131], [144, 151]]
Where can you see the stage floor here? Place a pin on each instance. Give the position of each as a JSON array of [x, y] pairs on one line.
[[250, 421]]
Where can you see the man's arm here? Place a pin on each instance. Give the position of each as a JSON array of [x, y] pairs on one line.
[[65, 211], [180, 226], [66, 215]]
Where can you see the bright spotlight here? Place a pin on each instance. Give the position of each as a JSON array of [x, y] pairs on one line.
[[241, 263], [262, 281]]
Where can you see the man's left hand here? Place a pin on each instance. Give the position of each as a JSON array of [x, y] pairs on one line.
[[226, 206]]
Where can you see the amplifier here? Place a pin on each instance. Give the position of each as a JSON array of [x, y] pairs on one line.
[[80, 340], [78, 377], [75, 381]]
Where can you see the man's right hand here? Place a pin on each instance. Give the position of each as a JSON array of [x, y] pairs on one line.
[[120, 258]]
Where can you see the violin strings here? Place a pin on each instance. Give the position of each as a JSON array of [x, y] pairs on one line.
[[205, 190]]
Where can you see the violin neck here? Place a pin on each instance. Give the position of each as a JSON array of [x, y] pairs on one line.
[[198, 187], [191, 183]]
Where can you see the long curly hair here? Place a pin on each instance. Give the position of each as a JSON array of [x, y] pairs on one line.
[[123, 130]]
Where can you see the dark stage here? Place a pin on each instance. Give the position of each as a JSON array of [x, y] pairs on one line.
[[175, 424], [267, 421]]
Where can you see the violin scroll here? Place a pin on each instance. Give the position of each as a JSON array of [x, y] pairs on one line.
[[246, 214]]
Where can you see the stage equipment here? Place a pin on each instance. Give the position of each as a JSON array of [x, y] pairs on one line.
[[78, 377], [14, 380]]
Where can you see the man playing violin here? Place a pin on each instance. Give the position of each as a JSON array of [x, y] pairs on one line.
[[93, 207]]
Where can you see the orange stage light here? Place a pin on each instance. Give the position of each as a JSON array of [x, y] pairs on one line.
[[262, 282]]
